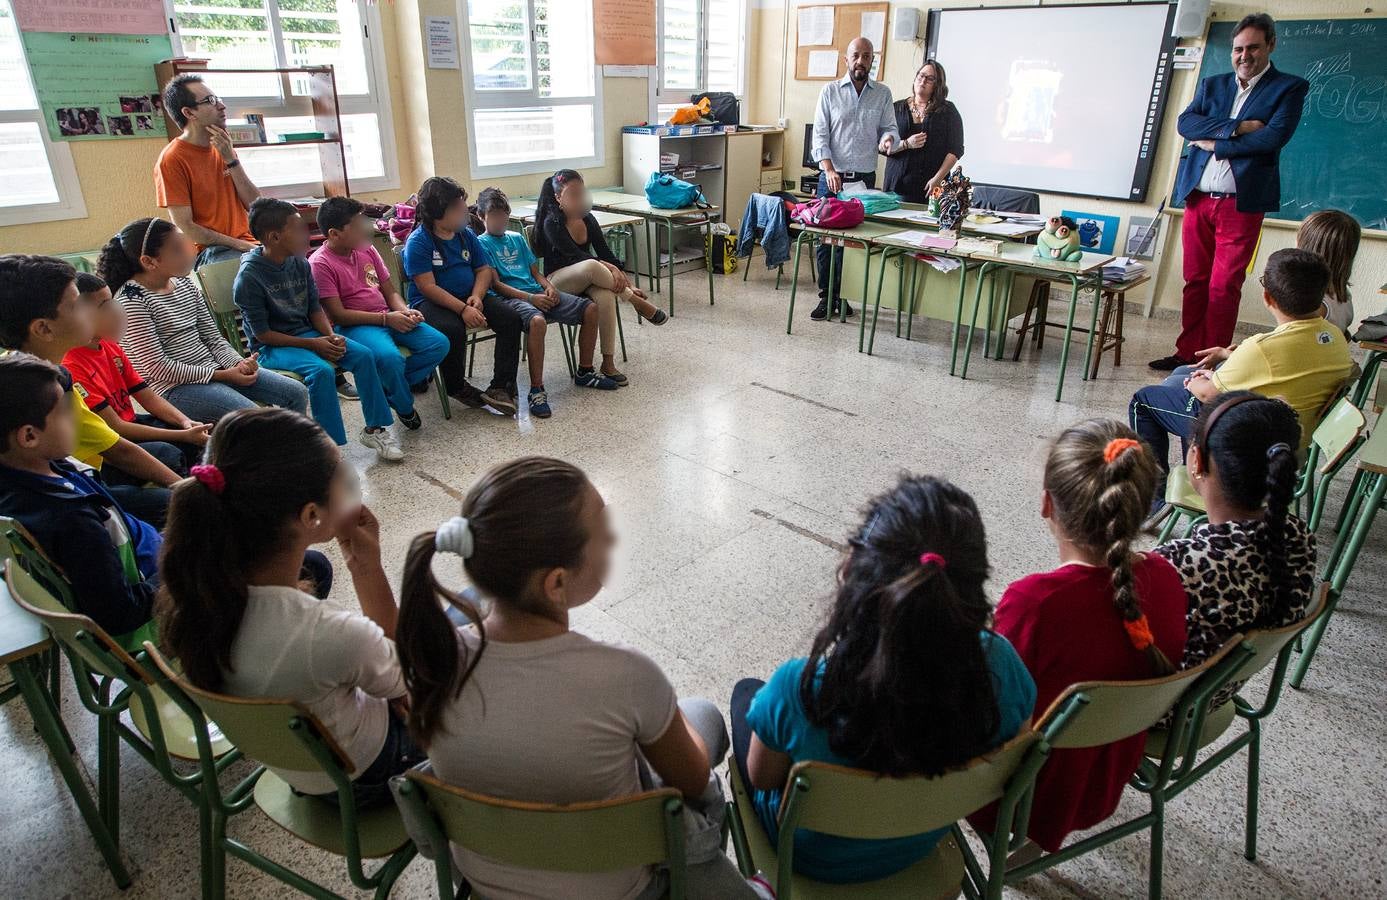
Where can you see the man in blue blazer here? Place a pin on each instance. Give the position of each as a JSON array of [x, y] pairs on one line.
[[1236, 126]]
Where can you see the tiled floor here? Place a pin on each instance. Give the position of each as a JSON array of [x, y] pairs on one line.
[[734, 465]]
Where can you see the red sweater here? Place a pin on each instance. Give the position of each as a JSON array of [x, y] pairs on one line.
[[1066, 629]]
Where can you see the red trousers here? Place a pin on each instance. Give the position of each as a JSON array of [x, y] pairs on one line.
[[1218, 243]]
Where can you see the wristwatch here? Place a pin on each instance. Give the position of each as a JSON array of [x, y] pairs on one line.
[[233, 164]]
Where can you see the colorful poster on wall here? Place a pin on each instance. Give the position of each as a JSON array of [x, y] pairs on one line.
[[89, 16], [98, 86]]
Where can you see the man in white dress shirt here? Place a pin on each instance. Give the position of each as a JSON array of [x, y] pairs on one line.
[[853, 121]]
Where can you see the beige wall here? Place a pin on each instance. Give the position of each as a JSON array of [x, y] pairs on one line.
[[772, 67], [428, 109]]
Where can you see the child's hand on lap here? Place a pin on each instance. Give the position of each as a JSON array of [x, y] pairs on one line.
[[329, 348], [543, 301], [195, 433], [400, 321], [359, 537], [250, 365], [472, 318]]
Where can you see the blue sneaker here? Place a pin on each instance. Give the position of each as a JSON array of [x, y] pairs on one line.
[[539, 404], [591, 378]]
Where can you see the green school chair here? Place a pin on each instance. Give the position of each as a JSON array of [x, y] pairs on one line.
[[854, 803], [1095, 713], [1340, 433], [110, 682], [644, 830], [1259, 649], [1365, 499], [570, 333], [283, 734]]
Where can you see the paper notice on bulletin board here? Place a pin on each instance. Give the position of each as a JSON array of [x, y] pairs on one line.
[[98, 86], [104, 16], [624, 32]]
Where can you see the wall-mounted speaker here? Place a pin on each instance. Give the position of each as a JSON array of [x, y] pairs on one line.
[[907, 27], [1190, 18]]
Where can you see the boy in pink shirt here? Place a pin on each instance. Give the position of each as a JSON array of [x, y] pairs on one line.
[[355, 289]]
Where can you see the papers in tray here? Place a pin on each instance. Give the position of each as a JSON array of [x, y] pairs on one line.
[[939, 263], [1123, 269]]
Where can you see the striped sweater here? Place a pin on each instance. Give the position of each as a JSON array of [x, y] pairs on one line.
[[172, 338]]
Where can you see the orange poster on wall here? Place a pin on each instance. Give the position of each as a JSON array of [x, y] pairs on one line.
[[624, 32]]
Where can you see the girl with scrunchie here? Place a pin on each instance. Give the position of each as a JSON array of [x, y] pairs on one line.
[[1108, 613]]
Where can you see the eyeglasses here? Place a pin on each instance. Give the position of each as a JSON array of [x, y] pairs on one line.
[[209, 100], [930, 79]]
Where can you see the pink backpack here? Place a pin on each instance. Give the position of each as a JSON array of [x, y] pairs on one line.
[[830, 212]]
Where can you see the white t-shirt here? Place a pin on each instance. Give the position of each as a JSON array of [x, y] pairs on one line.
[[340, 665], [552, 721]]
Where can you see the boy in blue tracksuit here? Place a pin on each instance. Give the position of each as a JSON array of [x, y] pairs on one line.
[[285, 322]]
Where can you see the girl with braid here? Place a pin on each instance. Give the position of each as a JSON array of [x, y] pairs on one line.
[[1107, 613], [1252, 565]]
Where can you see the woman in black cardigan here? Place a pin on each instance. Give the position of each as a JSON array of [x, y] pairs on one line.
[[931, 133]]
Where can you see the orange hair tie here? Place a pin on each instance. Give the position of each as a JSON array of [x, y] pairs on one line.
[[1118, 446], [1139, 632]]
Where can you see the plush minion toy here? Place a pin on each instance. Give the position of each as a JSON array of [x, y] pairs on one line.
[[1059, 240]]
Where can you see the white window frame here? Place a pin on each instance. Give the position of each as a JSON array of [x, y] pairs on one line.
[[376, 100], [70, 203], [659, 96], [511, 99]]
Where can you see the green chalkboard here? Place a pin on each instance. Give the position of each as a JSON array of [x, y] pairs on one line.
[[1336, 159]]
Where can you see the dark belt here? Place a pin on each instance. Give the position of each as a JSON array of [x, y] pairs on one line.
[[1218, 195]]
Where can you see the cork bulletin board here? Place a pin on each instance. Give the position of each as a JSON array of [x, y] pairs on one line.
[[847, 24]]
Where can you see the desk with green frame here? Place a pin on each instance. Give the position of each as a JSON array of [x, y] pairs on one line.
[[896, 245], [901, 216], [671, 220], [861, 237], [1016, 258]]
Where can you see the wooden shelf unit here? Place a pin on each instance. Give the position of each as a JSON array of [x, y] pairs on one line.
[[755, 165], [320, 102]]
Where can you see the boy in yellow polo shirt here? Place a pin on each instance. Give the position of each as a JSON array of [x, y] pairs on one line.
[[1303, 360], [41, 313]]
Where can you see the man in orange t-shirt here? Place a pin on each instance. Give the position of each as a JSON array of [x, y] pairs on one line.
[[198, 176]]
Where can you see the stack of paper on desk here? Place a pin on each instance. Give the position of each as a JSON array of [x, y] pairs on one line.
[[1122, 269]]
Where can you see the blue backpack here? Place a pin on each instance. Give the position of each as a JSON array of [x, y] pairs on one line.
[[668, 192]]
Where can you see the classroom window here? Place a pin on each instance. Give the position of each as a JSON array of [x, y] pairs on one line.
[[534, 99], [266, 34], [38, 182], [702, 47]]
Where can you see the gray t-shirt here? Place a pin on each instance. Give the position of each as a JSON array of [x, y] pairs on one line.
[[340, 665], [552, 721]]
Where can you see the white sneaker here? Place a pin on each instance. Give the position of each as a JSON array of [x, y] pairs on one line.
[[384, 443]]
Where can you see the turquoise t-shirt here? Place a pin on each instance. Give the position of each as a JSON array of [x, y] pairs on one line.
[[779, 720], [512, 257]]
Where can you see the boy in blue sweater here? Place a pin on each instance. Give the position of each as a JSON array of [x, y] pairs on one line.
[[110, 557], [285, 322]]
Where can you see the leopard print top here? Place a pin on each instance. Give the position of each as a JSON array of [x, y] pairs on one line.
[[1225, 574]]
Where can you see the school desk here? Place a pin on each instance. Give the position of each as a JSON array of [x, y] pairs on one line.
[[894, 245], [1016, 258], [901, 217], [671, 220], [859, 237], [26, 648]]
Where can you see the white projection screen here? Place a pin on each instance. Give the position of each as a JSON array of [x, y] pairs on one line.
[[1065, 99]]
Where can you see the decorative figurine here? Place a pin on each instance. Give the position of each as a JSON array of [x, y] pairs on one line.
[[950, 199], [1059, 240]]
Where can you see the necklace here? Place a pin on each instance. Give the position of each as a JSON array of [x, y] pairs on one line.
[[917, 112]]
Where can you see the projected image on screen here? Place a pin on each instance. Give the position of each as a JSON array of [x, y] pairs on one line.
[[1062, 99]]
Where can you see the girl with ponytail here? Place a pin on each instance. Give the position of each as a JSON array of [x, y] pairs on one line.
[[516, 705], [1107, 613], [578, 261], [170, 334], [233, 607], [1252, 564], [906, 677]]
